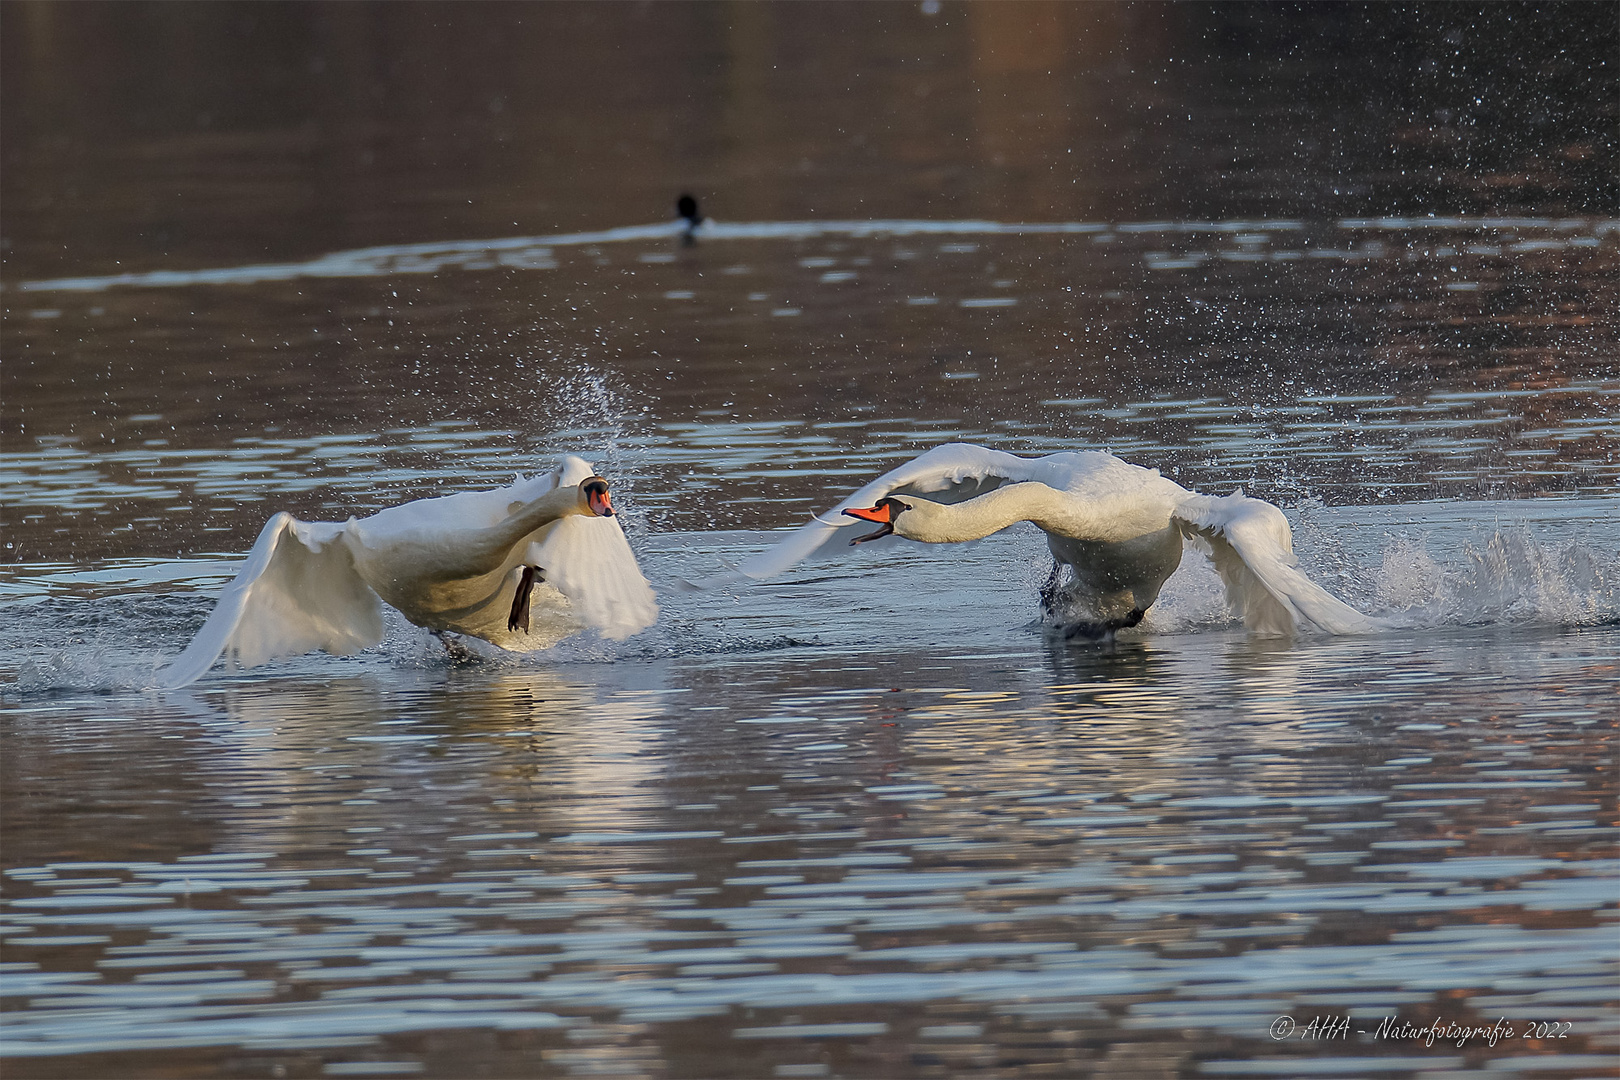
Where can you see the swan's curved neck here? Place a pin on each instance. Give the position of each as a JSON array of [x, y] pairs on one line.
[[942, 523], [469, 552], [556, 503]]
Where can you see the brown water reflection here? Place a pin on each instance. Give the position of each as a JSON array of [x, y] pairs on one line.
[[159, 135], [1238, 305]]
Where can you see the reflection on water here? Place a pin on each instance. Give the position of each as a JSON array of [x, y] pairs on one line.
[[145, 138], [1379, 269], [876, 862]]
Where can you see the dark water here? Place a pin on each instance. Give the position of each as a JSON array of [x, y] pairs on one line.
[[828, 861], [145, 136], [862, 821]]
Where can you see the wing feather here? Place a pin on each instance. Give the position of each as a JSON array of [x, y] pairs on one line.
[[1253, 551], [297, 591], [449, 514], [589, 561]]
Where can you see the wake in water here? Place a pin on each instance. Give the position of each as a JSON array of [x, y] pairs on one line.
[[539, 252]]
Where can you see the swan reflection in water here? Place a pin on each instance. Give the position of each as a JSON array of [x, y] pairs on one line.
[[408, 756]]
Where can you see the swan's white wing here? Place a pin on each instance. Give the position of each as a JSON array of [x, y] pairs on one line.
[[949, 473], [589, 561], [1253, 551], [448, 515], [297, 591]]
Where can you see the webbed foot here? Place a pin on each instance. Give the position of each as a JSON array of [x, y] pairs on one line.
[[520, 602], [1051, 591], [457, 652], [1102, 629]]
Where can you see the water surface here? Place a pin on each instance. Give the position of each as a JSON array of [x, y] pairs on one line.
[[864, 820]]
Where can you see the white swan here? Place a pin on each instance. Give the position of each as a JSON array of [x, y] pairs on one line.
[[1117, 528], [522, 567]]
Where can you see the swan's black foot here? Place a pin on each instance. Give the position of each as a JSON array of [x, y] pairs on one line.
[[457, 652], [1091, 631], [520, 602], [1103, 629], [1051, 592]]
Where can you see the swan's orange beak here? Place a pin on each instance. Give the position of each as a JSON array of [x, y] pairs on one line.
[[882, 513], [596, 496]]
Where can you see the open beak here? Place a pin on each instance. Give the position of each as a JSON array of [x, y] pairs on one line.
[[596, 497], [882, 513]]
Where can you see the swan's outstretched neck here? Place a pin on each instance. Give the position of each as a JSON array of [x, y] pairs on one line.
[[544, 510], [941, 523]]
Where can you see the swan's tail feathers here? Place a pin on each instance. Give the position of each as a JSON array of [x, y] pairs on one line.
[[1253, 551], [588, 560], [297, 591]]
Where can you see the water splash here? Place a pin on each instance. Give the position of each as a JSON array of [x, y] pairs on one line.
[[1511, 578], [585, 410], [113, 639], [80, 669], [1193, 601]]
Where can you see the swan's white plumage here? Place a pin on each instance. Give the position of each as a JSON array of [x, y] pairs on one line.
[[1252, 547], [449, 563], [1115, 523], [586, 563], [297, 591]]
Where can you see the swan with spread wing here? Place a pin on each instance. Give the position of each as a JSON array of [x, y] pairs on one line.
[[521, 567], [1116, 532]]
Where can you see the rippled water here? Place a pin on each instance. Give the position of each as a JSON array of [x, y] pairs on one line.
[[864, 820], [800, 357], [852, 857], [869, 823]]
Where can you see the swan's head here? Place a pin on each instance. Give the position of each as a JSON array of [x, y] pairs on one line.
[[885, 513], [572, 472], [593, 496]]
